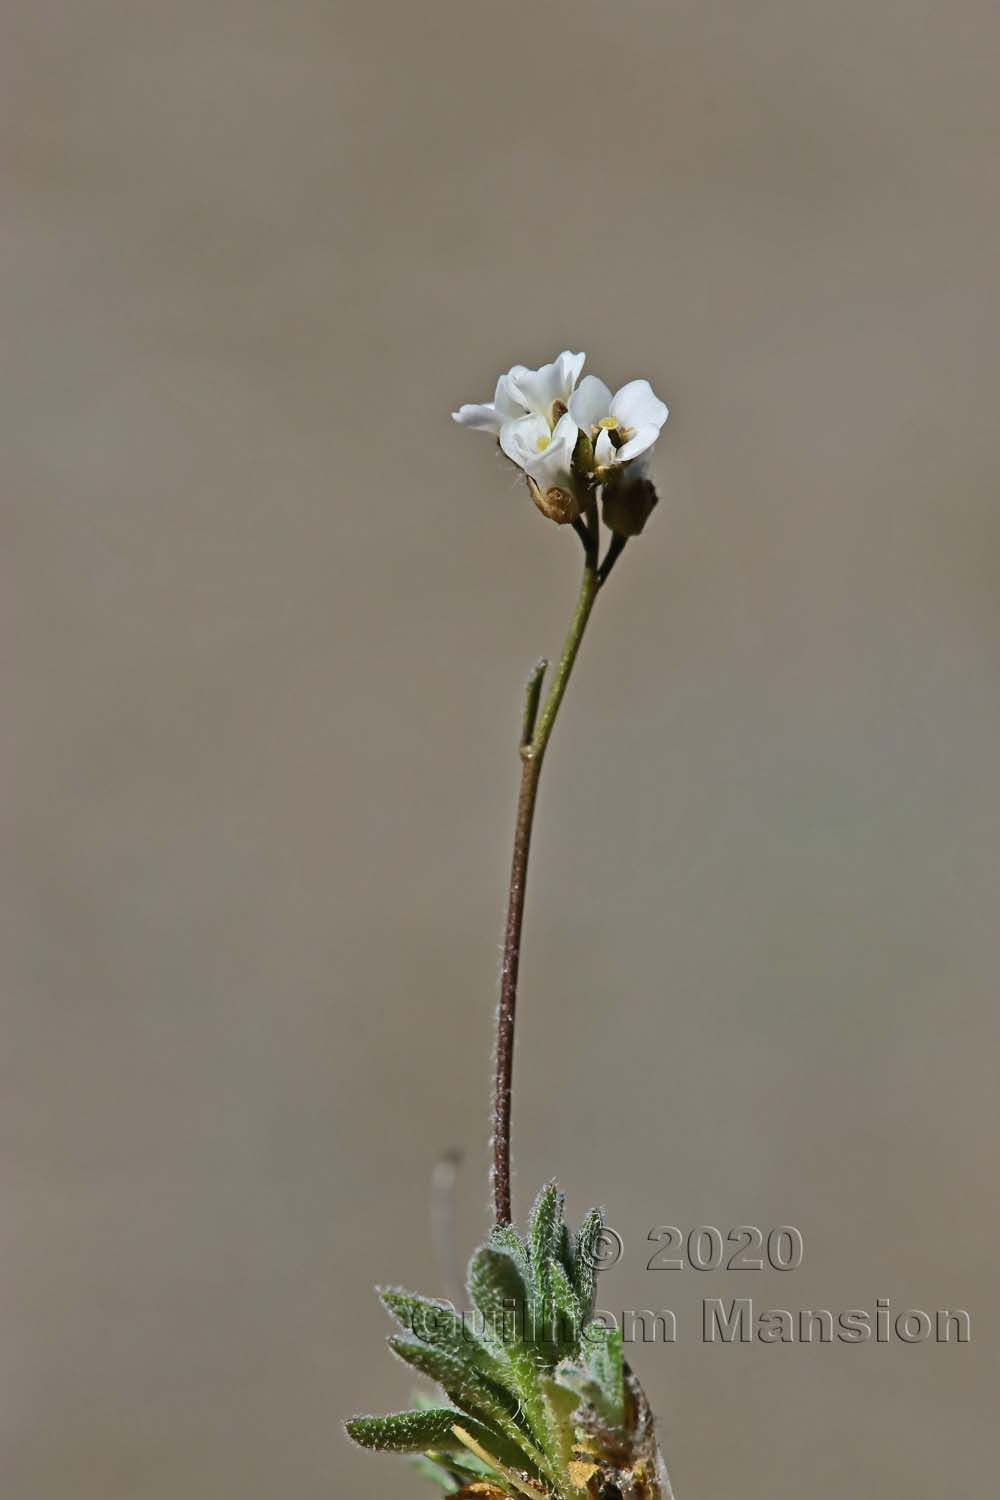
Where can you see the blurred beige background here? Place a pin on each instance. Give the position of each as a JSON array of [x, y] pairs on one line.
[[273, 613]]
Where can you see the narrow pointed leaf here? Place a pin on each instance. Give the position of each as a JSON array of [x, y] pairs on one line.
[[505, 1237], [567, 1321], [406, 1431], [438, 1324], [513, 1472], [564, 1249], [472, 1392], [545, 1220], [497, 1289], [587, 1244]]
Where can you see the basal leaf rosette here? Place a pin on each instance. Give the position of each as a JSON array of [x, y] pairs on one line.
[[539, 1400]]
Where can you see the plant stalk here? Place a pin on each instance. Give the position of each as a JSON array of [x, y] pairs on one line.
[[538, 731]]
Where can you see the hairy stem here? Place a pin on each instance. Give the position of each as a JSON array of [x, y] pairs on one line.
[[538, 730]]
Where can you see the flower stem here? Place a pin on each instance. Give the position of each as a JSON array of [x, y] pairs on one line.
[[534, 744]]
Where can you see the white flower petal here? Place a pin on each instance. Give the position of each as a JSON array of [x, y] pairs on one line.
[[552, 465], [508, 399], [485, 417], [641, 441], [590, 403], [635, 405], [566, 433], [569, 365], [541, 388], [604, 449], [520, 440]]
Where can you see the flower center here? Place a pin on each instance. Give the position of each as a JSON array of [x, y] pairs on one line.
[[542, 444], [617, 432]]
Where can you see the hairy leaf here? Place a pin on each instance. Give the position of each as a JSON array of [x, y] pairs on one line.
[[605, 1363], [505, 1237], [472, 1392], [497, 1289], [587, 1246], [438, 1324], [407, 1431], [566, 1323], [564, 1249], [546, 1216]]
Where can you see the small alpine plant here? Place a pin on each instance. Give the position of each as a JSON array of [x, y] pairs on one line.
[[538, 1399]]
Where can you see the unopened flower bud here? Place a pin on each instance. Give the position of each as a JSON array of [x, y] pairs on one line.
[[583, 459], [628, 503], [557, 504]]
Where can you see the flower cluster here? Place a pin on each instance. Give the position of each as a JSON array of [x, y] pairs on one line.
[[572, 437]]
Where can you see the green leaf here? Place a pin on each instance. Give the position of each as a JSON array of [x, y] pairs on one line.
[[567, 1322], [464, 1466], [528, 1377], [497, 1289], [560, 1408], [407, 1431], [431, 1428], [564, 1249], [505, 1237], [437, 1323], [470, 1391], [605, 1363], [513, 1472], [546, 1216], [585, 1277]]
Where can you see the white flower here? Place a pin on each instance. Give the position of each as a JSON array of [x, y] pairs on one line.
[[544, 452], [624, 426], [523, 392]]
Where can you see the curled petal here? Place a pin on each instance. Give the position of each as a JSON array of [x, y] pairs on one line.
[[569, 366], [604, 449], [508, 400], [524, 439], [541, 389], [641, 441], [552, 465], [590, 403], [635, 405], [485, 418]]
